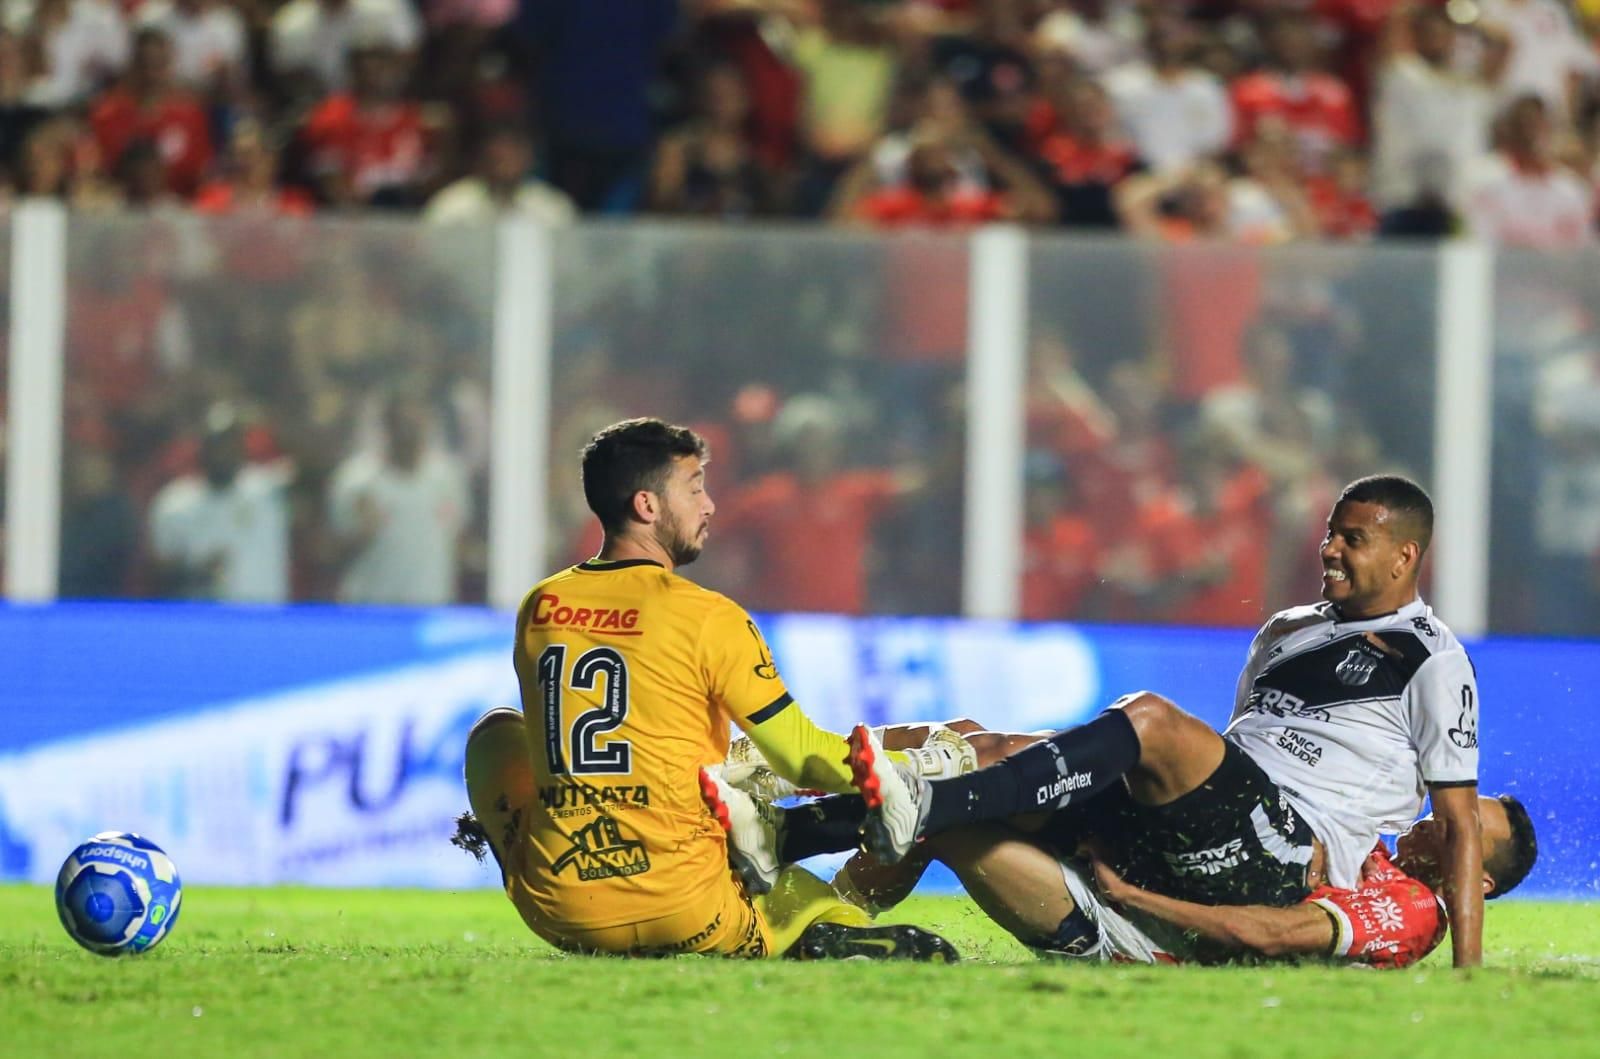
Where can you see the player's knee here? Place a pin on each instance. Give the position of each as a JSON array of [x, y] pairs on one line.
[[1150, 714], [496, 716]]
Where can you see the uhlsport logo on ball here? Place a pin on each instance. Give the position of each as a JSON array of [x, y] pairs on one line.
[[118, 893]]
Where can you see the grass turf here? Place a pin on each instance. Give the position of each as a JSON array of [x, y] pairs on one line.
[[291, 972]]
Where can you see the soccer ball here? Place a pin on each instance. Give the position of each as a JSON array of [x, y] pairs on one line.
[[118, 893]]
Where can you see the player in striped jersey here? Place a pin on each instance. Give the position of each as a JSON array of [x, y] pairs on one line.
[[1347, 714], [1043, 879]]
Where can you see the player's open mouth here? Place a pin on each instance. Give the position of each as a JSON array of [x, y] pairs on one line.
[[1330, 574]]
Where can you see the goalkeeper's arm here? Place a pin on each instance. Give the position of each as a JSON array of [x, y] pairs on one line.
[[811, 758]]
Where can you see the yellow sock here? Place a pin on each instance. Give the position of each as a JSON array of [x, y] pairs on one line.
[[799, 899]]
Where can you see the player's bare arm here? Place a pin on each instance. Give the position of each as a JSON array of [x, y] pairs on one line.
[[1456, 810], [1300, 930]]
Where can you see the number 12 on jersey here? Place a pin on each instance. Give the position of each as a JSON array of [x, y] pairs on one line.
[[616, 757]]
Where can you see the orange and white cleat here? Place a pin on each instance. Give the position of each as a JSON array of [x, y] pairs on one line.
[[896, 798], [751, 827]]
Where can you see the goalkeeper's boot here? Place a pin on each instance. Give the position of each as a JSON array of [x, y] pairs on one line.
[[900, 941], [752, 829], [897, 799]]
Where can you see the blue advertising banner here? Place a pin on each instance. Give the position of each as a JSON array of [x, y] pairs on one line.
[[323, 745]]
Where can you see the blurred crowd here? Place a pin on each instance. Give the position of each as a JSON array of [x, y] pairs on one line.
[[1255, 120], [1177, 469], [265, 411], [266, 401]]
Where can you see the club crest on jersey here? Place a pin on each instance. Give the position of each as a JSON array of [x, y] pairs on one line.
[[1356, 669]]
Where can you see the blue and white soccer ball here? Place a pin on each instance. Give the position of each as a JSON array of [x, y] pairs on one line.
[[118, 893]]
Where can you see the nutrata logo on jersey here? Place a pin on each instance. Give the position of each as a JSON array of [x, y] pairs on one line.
[[1356, 669], [600, 852], [549, 611]]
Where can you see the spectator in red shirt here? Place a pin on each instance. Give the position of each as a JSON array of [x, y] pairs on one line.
[[935, 191], [368, 145], [148, 105], [1339, 198], [926, 304], [1086, 157], [1197, 555], [258, 247], [1317, 107], [811, 524], [932, 194], [248, 181], [1136, 463], [1060, 560], [123, 327], [1065, 415]]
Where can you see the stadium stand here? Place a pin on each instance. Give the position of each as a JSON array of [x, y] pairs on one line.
[[1188, 126]]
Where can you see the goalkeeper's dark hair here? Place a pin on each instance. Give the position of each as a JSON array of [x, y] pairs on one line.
[[633, 455], [1404, 499], [1516, 858]]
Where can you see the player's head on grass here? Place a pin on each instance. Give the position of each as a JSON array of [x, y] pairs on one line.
[[1378, 533], [1512, 859], [645, 481], [1509, 847]]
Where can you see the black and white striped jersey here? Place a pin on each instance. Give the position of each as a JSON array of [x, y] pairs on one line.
[[1354, 719]]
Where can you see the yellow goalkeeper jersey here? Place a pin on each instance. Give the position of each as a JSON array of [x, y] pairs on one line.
[[630, 676]]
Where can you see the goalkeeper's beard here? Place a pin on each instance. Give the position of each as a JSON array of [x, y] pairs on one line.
[[680, 547]]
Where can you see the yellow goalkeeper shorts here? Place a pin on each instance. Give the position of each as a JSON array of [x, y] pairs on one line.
[[724, 922]]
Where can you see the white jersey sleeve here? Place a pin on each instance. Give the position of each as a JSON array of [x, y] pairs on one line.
[[1441, 702], [1254, 659]]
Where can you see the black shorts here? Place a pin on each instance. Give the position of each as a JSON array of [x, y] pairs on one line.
[[1232, 840]]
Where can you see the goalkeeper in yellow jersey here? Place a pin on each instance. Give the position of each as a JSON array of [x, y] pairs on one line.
[[631, 675]]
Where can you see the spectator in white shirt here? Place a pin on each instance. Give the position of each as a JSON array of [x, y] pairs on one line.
[[1098, 35], [1549, 57], [1174, 112], [400, 514], [1431, 118], [503, 186], [312, 39], [210, 51], [1520, 195], [86, 46], [223, 534]]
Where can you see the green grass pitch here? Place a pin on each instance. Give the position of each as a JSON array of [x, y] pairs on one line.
[[352, 973]]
